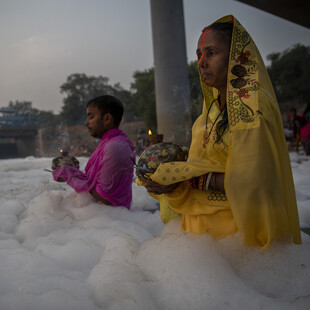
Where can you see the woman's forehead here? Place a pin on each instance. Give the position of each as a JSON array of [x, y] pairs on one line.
[[214, 38], [206, 37]]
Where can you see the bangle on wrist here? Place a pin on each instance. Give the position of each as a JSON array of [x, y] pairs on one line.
[[214, 187], [208, 180], [213, 181]]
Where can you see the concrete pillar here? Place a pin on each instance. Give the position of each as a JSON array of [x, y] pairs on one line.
[[171, 71]]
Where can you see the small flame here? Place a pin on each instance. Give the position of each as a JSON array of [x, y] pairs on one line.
[[61, 151], [150, 132]]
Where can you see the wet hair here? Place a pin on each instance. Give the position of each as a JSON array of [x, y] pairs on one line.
[[226, 30], [108, 104], [221, 127]]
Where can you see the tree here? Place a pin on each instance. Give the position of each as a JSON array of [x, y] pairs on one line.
[[125, 97], [289, 72], [195, 90], [48, 118], [80, 88], [143, 97], [143, 101]]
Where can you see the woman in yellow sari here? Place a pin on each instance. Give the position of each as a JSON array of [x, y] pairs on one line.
[[238, 175]]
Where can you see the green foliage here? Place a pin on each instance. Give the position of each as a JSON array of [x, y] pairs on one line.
[[143, 101], [289, 72], [48, 118], [195, 90], [80, 88], [126, 98], [143, 97]]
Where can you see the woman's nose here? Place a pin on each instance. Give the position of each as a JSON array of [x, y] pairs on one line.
[[203, 60]]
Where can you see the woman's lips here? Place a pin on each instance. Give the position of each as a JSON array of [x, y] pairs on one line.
[[206, 75]]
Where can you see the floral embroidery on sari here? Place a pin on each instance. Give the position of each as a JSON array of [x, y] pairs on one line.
[[244, 78]]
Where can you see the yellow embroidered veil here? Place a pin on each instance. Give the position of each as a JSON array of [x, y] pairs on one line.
[[258, 178]]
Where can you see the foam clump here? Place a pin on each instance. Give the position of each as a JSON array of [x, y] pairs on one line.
[[118, 272], [10, 211]]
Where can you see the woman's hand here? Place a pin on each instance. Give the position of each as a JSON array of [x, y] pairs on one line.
[[216, 182], [158, 189]]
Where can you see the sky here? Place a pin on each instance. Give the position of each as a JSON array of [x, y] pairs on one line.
[[63, 250], [44, 41]]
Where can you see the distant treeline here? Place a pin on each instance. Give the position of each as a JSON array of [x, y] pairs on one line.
[[289, 72]]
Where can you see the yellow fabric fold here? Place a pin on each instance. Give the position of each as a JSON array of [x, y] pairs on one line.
[[203, 211], [166, 213], [260, 200]]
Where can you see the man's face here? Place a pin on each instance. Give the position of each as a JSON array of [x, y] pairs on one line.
[[94, 122], [213, 53]]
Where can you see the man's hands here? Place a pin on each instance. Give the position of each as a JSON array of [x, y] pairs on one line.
[[60, 180]]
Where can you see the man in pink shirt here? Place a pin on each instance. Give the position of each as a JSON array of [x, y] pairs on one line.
[[109, 171]]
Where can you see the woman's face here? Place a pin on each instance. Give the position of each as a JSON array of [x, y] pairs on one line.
[[213, 53]]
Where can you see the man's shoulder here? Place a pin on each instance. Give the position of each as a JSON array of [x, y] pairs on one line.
[[115, 144]]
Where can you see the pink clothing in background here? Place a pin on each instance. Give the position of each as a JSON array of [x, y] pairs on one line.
[[109, 170], [305, 131]]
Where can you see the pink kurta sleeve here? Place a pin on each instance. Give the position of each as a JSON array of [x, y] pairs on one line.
[[78, 180]]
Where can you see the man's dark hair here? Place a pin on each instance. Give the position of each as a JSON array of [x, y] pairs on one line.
[[108, 104]]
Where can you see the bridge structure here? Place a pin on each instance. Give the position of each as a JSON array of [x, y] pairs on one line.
[[18, 133], [297, 11]]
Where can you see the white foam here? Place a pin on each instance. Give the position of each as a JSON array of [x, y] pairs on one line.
[[62, 250]]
